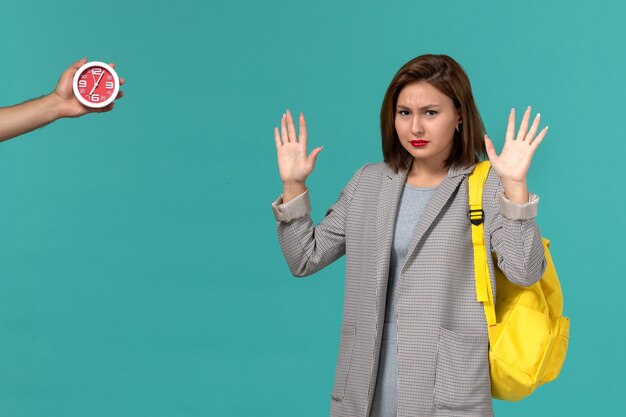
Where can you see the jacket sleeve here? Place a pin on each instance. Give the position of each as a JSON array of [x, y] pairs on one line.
[[308, 248], [513, 234]]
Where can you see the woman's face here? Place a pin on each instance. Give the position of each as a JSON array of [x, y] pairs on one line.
[[425, 122]]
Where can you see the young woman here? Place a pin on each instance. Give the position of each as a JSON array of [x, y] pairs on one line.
[[414, 337]]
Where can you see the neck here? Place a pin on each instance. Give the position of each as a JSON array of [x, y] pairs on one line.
[[426, 173], [428, 168]]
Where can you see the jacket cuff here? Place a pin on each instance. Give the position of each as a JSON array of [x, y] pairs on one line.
[[298, 207], [515, 211]]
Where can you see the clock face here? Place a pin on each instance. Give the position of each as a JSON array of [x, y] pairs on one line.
[[96, 84]]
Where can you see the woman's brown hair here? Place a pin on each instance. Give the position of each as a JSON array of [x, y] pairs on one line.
[[445, 74]]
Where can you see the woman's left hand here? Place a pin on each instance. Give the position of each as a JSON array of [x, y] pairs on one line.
[[513, 162]]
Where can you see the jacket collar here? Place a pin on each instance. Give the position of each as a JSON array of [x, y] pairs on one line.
[[452, 171], [387, 208]]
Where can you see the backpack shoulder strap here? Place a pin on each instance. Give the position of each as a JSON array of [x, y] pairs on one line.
[[484, 292]]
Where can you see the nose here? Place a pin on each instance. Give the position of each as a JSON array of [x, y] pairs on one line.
[[416, 126]]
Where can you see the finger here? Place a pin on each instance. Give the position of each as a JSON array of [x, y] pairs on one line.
[[119, 95], [491, 150], [112, 65], [523, 128], [279, 144], [302, 138], [122, 81], [533, 129], [105, 109], [291, 128], [79, 63], [539, 138], [283, 130], [510, 128]]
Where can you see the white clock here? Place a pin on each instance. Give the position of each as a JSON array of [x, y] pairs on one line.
[[96, 84]]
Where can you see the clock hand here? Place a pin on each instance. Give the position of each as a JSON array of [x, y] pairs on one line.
[[96, 84]]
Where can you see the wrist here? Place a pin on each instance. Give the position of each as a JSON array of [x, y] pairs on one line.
[[293, 183], [292, 189], [53, 105], [516, 191]]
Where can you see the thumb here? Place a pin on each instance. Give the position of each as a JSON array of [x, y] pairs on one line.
[[313, 156]]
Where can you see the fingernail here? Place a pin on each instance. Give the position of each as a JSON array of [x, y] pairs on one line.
[[538, 114], [547, 127]]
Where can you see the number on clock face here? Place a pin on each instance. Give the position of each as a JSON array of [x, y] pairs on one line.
[[94, 85]]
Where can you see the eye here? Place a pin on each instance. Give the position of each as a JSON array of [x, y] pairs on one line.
[[403, 112], [431, 112]]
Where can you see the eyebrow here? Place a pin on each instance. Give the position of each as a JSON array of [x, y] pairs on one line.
[[421, 108]]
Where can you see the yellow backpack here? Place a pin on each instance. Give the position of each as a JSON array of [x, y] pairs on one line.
[[528, 334]]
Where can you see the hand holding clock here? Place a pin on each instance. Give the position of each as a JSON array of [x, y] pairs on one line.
[[71, 103], [63, 101]]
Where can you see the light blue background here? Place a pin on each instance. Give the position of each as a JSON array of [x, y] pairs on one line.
[[140, 274]]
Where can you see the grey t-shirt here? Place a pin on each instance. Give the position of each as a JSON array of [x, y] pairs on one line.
[[412, 204]]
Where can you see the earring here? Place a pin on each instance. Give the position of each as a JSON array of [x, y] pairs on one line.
[[457, 128]]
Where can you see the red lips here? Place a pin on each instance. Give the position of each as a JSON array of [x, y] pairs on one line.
[[418, 143]]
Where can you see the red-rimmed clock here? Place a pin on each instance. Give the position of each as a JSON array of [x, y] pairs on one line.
[[96, 84]]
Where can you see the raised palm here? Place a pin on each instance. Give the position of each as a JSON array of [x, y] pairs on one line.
[[293, 163], [514, 161]]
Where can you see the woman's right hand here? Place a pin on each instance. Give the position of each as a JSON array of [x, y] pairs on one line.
[[293, 163]]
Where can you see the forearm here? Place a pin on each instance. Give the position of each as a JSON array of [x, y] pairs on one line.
[[30, 115], [513, 234], [519, 250], [308, 248]]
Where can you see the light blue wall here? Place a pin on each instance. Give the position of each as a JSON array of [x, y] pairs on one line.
[[140, 274]]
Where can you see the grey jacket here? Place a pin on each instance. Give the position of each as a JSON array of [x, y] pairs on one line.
[[443, 367]]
